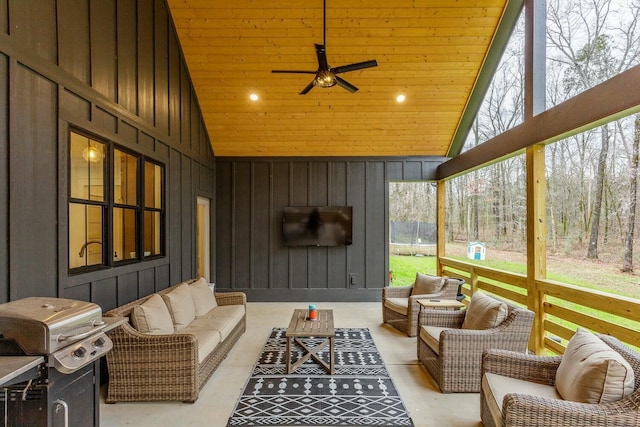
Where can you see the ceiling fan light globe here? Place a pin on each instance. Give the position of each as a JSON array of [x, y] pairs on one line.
[[325, 79]]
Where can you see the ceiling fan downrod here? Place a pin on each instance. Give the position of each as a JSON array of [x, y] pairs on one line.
[[325, 76]]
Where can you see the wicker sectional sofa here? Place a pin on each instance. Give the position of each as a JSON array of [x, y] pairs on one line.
[[155, 358]]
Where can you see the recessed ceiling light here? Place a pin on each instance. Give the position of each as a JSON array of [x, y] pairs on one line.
[[400, 98], [254, 97]]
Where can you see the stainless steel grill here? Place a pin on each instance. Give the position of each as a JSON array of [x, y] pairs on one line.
[[70, 335], [68, 331]]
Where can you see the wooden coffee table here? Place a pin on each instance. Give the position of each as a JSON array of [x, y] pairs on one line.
[[301, 327]]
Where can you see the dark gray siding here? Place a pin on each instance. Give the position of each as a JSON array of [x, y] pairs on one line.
[[250, 196], [114, 69]]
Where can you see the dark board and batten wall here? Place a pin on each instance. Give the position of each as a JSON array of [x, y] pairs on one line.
[[115, 69], [250, 197]]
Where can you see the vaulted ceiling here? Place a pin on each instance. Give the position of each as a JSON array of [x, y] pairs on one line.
[[431, 51]]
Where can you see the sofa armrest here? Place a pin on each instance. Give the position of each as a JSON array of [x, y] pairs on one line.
[[527, 367], [184, 346], [231, 298], [151, 367]]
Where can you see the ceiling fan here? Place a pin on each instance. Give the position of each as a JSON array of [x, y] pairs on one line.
[[326, 76]]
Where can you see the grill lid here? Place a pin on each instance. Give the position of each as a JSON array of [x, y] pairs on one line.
[[42, 325]]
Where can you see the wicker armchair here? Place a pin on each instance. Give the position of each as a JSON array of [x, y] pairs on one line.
[[519, 409], [457, 362], [400, 307]]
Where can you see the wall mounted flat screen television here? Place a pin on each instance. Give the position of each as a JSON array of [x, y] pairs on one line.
[[317, 225]]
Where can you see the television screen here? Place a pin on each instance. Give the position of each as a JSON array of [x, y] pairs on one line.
[[316, 225]]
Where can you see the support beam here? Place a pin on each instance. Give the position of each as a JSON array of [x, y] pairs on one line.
[[441, 223], [536, 242], [605, 102], [498, 44]]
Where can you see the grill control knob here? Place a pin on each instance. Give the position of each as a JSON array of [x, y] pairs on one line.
[[99, 343], [79, 352]]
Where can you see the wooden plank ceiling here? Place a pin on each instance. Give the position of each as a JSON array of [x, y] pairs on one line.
[[429, 50]]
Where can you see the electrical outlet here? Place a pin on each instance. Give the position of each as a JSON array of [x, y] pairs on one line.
[[353, 279]]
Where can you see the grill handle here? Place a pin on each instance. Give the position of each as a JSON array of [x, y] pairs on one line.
[[97, 326], [61, 405]]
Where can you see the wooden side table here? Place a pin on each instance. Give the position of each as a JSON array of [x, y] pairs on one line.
[[301, 327], [440, 303]]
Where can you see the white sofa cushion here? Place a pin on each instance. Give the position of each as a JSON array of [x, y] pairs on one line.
[[496, 387], [203, 299], [208, 340], [484, 312], [180, 305], [426, 284], [152, 317], [233, 311], [223, 318], [399, 305], [592, 372]]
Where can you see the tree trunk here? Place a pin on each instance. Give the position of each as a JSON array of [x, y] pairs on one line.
[[476, 232], [592, 251], [627, 265]]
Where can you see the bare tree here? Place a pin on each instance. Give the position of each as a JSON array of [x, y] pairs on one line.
[[627, 265], [592, 250], [590, 175], [602, 53]]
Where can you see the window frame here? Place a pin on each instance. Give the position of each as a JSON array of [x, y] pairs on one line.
[[108, 205], [161, 210]]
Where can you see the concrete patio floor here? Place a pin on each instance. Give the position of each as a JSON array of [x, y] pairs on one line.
[[426, 405]]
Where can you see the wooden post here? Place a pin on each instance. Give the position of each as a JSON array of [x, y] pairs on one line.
[[473, 286], [441, 223], [536, 242]]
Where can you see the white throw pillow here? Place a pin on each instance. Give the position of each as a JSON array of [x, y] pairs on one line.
[[152, 317], [592, 372], [180, 305], [484, 312], [203, 299], [426, 284]]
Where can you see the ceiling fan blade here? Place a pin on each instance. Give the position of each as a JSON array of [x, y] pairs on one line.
[[356, 66], [307, 88], [346, 85], [292, 72], [321, 53]]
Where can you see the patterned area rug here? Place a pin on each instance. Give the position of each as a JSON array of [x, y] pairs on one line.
[[361, 393]]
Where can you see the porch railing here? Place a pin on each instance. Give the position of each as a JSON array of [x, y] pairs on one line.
[[564, 306]]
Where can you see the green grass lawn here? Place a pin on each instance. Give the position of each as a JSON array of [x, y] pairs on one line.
[[405, 268]]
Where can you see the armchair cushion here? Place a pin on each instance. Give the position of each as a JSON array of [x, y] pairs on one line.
[[431, 336], [399, 305], [495, 387], [592, 372], [152, 317], [426, 284], [484, 312]]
